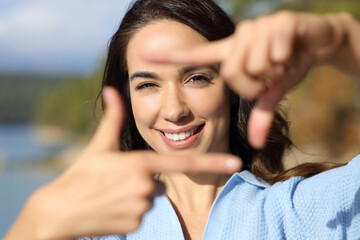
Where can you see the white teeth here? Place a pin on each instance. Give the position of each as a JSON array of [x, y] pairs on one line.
[[176, 137], [179, 136], [182, 136]]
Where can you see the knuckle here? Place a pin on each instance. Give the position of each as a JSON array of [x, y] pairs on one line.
[[245, 25], [146, 188], [137, 211], [251, 89], [137, 208], [262, 22], [284, 13], [136, 183], [346, 15], [255, 68], [134, 224], [145, 206], [141, 207], [285, 16]]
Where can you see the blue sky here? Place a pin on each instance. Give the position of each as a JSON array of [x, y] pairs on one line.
[[56, 36]]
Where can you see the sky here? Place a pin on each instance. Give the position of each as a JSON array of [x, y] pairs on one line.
[[56, 36]]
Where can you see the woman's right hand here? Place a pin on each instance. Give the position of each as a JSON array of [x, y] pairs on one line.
[[106, 191], [271, 54]]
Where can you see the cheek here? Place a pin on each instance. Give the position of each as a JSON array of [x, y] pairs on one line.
[[145, 110], [212, 103]]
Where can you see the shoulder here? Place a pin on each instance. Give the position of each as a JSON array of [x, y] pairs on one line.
[[318, 207], [322, 204], [332, 186], [346, 176]]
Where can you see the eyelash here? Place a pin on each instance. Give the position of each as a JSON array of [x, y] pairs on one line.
[[200, 79], [195, 79], [145, 85]]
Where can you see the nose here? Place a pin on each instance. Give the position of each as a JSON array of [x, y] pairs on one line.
[[174, 107]]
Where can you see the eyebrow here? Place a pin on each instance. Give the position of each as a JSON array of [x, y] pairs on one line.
[[186, 70], [143, 75]]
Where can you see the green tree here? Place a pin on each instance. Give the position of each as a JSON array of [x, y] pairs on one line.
[[71, 106], [241, 9]]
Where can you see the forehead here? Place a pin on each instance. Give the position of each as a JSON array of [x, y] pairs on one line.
[[162, 36]]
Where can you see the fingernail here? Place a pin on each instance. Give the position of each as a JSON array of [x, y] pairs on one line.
[[233, 164]]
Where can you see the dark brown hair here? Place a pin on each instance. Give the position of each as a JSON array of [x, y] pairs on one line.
[[213, 23]]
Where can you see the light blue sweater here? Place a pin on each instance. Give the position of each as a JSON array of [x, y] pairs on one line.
[[326, 206]]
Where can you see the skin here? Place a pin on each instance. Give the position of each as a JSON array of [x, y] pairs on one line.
[[259, 61], [268, 56], [84, 198], [168, 99], [172, 100]]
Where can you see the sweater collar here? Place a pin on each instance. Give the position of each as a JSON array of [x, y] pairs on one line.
[[247, 176]]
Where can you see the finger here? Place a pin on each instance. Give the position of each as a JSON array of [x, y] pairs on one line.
[[233, 68], [319, 36], [246, 86], [283, 38], [258, 57], [107, 135], [262, 115], [207, 163], [206, 54]]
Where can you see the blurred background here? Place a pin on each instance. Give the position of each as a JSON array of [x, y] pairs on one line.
[[51, 59]]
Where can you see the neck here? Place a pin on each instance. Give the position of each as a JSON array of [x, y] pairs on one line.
[[193, 192]]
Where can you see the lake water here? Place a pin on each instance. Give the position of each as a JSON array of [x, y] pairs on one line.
[[19, 176]]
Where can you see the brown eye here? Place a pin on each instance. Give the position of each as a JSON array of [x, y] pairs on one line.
[[199, 79], [145, 85]]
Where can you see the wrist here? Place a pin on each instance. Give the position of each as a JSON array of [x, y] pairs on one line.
[[39, 218], [48, 214], [25, 226]]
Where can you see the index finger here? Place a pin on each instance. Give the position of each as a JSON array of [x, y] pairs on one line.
[[205, 163], [205, 54], [262, 115]]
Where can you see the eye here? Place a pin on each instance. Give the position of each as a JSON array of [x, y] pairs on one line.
[[199, 79], [145, 86]]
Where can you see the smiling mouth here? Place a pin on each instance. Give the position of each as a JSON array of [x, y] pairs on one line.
[[183, 135]]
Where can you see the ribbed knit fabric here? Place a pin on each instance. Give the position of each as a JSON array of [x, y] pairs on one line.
[[326, 206]]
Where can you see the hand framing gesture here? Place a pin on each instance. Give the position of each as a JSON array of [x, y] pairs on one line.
[[267, 56]]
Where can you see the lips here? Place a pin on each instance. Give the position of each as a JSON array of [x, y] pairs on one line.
[[182, 138]]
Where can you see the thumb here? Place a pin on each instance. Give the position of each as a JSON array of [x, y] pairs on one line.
[[107, 135], [262, 115]]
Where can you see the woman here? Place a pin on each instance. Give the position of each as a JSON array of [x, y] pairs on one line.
[[182, 111]]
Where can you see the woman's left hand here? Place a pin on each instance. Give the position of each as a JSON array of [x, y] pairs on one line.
[[267, 56]]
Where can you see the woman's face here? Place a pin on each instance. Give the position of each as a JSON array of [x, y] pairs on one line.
[[177, 108]]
